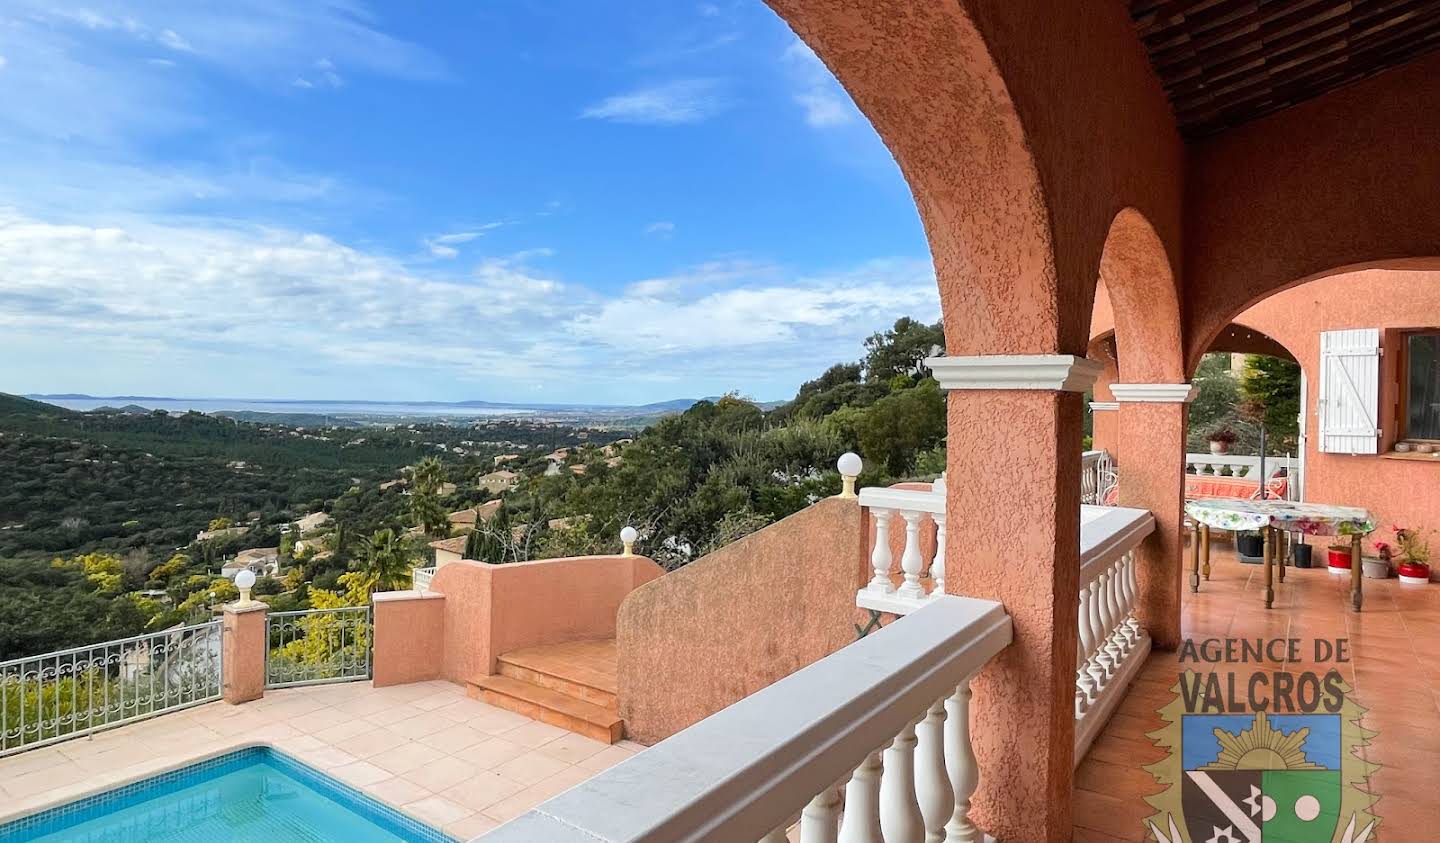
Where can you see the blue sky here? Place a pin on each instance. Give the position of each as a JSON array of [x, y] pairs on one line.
[[592, 201]]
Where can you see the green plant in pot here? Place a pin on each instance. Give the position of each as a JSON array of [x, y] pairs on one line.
[[1414, 556], [1221, 438]]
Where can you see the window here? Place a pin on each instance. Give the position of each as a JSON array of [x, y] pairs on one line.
[[1420, 386]]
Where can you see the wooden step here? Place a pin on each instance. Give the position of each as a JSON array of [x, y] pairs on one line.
[[549, 706], [584, 670]]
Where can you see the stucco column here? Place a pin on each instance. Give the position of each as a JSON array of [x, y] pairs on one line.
[[1105, 422], [1152, 430], [1014, 536], [243, 652]]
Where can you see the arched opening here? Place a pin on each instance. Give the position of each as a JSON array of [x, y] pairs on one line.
[[1366, 340]]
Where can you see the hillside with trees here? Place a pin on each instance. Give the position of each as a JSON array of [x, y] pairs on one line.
[[116, 523]]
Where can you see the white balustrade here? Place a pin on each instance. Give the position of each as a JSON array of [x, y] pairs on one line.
[[420, 578], [918, 510], [1112, 644], [886, 719], [1239, 465]]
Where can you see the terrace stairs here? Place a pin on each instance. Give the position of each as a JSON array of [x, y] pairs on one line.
[[570, 685]]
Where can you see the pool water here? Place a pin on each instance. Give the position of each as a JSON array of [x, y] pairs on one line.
[[255, 795]]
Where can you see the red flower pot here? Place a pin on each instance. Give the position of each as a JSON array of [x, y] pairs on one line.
[[1414, 573], [1340, 558]]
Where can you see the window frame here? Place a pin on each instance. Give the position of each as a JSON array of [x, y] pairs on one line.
[[1402, 420]]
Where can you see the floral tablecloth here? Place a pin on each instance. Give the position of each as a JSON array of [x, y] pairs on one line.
[[1314, 519]]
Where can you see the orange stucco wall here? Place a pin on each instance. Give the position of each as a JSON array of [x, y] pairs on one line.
[[738, 619], [493, 609], [409, 643], [1397, 491], [1340, 181]]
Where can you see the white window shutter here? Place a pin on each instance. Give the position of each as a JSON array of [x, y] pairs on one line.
[[1349, 400]]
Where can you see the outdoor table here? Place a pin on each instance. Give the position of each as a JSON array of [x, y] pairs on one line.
[[1271, 517]]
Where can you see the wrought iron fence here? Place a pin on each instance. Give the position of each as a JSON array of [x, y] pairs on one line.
[[315, 646], [69, 693]]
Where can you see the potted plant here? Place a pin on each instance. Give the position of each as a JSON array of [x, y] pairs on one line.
[[1339, 557], [1221, 438], [1414, 556], [1301, 553], [1250, 546], [1377, 568]]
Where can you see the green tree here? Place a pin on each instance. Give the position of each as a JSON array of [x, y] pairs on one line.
[[903, 349], [1274, 384], [900, 426], [387, 565]]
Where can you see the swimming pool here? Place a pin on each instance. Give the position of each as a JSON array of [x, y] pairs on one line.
[[254, 794]]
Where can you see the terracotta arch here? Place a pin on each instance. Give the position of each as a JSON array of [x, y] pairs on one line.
[[1202, 342], [1239, 338], [925, 78], [1137, 293]]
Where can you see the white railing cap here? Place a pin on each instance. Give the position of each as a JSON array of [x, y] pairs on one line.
[[1108, 532], [743, 771], [915, 500]]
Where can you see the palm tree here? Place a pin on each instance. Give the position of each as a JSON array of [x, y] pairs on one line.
[[428, 474], [387, 565]]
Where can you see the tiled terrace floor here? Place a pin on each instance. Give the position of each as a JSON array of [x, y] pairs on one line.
[[427, 749], [1395, 672]]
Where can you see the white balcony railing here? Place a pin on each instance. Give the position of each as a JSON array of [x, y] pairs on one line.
[[915, 508], [885, 720], [1239, 465], [420, 578], [57, 696], [1112, 644], [1097, 477]]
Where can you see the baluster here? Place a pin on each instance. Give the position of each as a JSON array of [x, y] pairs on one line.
[[1086, 681], [1132, 625], [1096, 668], [1117, 645], [820, 821], [900, 816], [937, 568], [1133, 621], [961, 764], [932, 781], [1109, 656], [911, 560], [880, 558], [1126, 602], [1082, 703], [861, 822]]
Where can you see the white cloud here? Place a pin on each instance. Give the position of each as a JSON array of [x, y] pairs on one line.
[[815, 90], [765, 317], [671, 103], [660, 229], [3, 62], [170, 38], [445, 245], [242, 297]]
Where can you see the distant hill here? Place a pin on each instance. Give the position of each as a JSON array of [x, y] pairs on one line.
[[14, 405]]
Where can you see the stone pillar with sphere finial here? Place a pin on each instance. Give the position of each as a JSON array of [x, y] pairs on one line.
[[243, 644], [627, 538], [850, 466]]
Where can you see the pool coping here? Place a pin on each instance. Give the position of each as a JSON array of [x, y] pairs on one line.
[[328, 782]]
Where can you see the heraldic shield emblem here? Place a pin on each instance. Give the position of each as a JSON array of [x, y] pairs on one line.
[[1259, 776]]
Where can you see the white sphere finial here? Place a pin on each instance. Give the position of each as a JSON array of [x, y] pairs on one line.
[[628, 535], [245, 580], [850, 466]]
